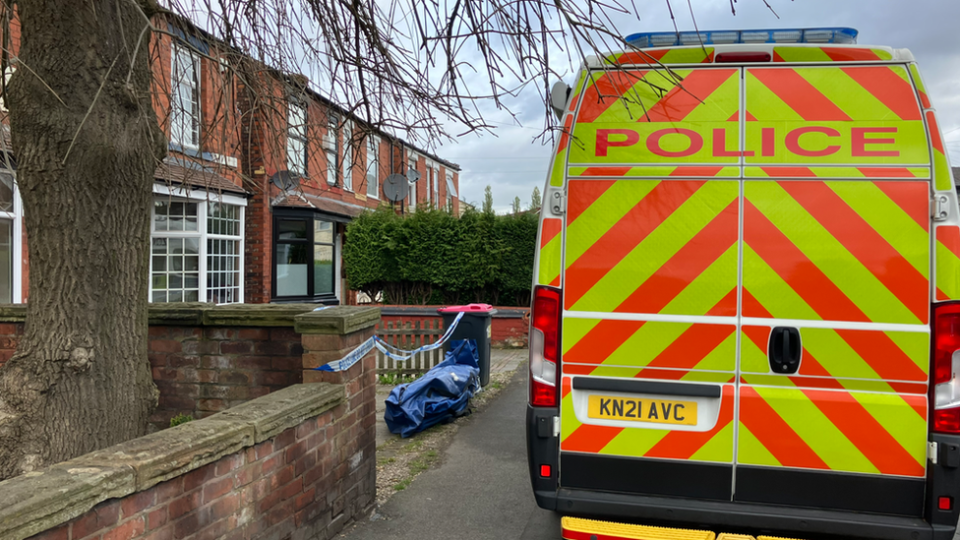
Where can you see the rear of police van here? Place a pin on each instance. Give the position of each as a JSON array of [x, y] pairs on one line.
[[744, 310]]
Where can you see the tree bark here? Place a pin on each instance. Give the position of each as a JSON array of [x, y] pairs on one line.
[[80, 379]]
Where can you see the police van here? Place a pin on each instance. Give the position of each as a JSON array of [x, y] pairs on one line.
[[746, 307]]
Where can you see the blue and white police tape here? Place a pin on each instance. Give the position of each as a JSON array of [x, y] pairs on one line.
[[399, 355]]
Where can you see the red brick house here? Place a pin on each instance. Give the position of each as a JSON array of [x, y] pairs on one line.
[[313, 167], [252, 200]]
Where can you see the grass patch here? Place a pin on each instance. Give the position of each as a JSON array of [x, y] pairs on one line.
[[395, 378]]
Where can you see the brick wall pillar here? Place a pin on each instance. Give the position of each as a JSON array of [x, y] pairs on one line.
[[330, 335]]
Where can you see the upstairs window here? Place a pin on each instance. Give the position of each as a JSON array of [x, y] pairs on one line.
[[185, 98], [331, 147], [373, 167], [347, 157], [296, 137], [412, 190]]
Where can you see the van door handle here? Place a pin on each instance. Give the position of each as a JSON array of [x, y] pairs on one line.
[[784, 349]]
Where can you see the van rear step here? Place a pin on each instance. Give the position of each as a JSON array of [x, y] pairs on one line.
[[588, 529]]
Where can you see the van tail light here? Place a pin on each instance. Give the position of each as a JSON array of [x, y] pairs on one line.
[[544, 346], [946, 368]]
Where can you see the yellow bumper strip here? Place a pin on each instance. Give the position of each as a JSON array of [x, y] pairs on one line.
[[583, 529]]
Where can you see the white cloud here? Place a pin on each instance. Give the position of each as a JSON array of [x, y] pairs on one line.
[[513, 163]]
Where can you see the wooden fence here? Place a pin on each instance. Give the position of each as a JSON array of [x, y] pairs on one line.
[[409, 336]]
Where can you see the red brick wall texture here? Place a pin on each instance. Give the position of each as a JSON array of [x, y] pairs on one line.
[[307, 482]]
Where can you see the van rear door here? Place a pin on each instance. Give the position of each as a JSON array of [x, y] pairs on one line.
[[836, 233], [749, 247], [650, 261]]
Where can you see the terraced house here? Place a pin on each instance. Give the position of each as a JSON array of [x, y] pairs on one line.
[[261, 178]]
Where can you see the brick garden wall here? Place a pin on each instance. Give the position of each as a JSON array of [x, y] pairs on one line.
[[204, 370], [296, 464], [206, 365], [508, 327]]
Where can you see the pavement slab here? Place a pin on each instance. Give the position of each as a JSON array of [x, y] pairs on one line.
[[480, 490]]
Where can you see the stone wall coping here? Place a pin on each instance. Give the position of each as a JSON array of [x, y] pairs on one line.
[[198, 314], [340, 320], [37, 501]]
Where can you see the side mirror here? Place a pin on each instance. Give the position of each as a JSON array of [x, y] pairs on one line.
[[559, 96]]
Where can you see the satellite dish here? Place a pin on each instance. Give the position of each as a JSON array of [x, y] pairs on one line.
[[413, 175], [285, 180], [395, 187]]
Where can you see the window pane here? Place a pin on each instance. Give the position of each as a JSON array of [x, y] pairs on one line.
[[160, 216], [323, 267], [6, 261], [292, 229], [6, 192], [223, 219], [292, 264], [323, 232]]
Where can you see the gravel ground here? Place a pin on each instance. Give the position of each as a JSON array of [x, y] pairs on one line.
[[399, 461]]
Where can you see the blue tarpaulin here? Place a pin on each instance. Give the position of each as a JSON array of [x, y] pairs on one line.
[[441, 393]]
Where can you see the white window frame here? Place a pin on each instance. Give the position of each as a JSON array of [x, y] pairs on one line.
[[331, 148], [413, 162], [347, 156], [373, 162], [16, 258], [175, 111], [298, 132], [449, 180], [202, 198]]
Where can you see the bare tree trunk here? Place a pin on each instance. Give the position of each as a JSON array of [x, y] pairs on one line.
[[80, 379]]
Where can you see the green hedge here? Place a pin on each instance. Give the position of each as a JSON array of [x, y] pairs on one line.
[[432, 257]]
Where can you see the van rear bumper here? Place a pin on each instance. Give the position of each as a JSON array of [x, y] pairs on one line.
[[739, 516]]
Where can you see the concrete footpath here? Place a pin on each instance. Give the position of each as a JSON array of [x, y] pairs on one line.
[[481, 490], [501, 361]]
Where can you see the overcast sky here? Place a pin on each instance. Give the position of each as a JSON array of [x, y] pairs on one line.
[[512, 163]]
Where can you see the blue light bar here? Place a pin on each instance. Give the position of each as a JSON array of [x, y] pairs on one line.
[[718, 37]]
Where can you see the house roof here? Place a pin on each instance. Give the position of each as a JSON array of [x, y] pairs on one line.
[[956, 175], [196, 178]]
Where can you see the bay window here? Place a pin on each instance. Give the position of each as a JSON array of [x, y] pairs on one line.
[[196, 251]]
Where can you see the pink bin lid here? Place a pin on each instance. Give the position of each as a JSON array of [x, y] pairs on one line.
[[469, 308]]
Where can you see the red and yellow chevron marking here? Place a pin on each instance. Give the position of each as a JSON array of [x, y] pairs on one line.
[[948, 262], [560, 158], [779, 171], [715, 445], [830, 54], [921, 90], [649, 116], [837, 355], [637, 345], [836, 250], [653, 57], [838, 430], [943, 177], [549, 258], [687, 171], [646, 246], [857, 115]]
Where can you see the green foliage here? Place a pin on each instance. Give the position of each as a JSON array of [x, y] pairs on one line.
[[432, 257], [487, 200], [393, 378], [180, 419], [535, 199], [516, 205]]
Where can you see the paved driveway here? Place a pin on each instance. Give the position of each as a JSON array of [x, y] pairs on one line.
[[481, 490]]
